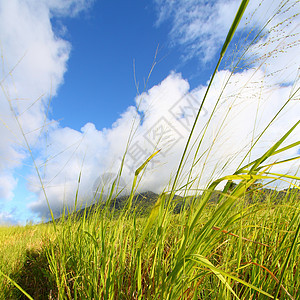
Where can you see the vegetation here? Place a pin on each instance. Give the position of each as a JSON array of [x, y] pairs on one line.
[[214, 258], [239, 242], [22, 258]]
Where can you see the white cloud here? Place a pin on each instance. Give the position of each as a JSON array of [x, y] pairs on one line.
[[247, 106], [249, 101], [7, 184], [278, 46], [66, 7], [200, 28], [32, 67], [9, 216], [7, 219]]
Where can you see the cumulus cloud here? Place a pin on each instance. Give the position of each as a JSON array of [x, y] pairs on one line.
[[241, 103], [32, 67], [166, 114]]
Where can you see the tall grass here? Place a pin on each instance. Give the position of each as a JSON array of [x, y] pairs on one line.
[[237, 247], [21, 257], [242, 254]]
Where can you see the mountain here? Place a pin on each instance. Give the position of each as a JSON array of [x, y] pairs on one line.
[[142, 203]]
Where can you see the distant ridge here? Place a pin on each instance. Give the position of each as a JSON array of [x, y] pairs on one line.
[[142, 203]]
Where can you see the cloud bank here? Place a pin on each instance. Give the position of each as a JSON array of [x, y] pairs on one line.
[[168, 111], [242, 102], [32, 67]]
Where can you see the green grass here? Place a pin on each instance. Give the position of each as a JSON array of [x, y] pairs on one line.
[[103, 258], [19, 248], [243, 245]]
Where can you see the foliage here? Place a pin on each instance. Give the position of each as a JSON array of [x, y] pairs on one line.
[[100, 257]]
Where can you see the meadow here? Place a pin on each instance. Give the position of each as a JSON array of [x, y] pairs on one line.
[[242, 245], [232, 249]]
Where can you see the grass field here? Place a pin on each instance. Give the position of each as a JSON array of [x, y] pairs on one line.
[[244, 253], [243, 245]]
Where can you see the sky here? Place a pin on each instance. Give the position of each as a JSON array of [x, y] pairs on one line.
[[84, 80]]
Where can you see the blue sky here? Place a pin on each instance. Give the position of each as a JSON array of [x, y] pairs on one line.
[[106, 43], [68, 72]]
